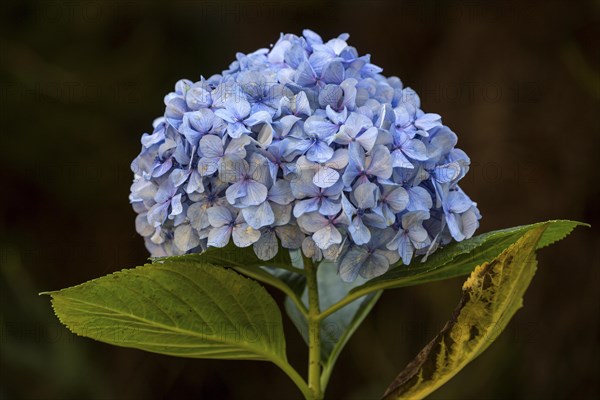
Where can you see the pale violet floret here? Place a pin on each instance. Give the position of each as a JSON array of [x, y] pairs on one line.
[[305, 145]]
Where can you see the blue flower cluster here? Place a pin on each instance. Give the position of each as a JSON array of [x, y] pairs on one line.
[[304, 145]]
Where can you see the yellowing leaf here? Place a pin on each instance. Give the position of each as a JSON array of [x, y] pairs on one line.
[[491, 296]]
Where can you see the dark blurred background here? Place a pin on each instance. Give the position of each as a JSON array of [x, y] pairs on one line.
[[81, 81]]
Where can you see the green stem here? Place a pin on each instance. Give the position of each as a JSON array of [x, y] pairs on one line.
[[344, 302], [276, 283], [314, 331], [294, 376]]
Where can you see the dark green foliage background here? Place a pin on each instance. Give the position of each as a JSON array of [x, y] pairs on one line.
[[81, 81]]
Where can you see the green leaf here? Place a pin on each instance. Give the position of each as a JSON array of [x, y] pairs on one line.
[[177, 308], [459, 258], [491, 296], [337, 328], [281, 272]]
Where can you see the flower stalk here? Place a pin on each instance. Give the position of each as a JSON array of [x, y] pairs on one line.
[[314, 331]]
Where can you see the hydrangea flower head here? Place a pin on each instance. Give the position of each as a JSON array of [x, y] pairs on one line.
[[305, 145]]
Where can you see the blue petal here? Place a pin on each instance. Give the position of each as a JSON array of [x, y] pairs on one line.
[[226, 115], [331, 96], [356, 155], [452, 220], [374, 220], [320, 127], [201, 120], [319, 152], [244, 235], [357, 122], [447, 172], [198, 216], [360, 233], [319, 59], [219, 237], [405, 249], [428, 121], [348, 208], [419, 236], [285, 124], [312, 37], [302, 106], [259, 216], [208, 166], [185, 238], [295, 147], [414, 218], [330, 207], [327, 236], [157, 136], [375, 265], [237, 129], [240, 108], [162, 168], [326, 177], [333, 73], [334, 190], [368, 139], [366, 195], [283, 213], [380, 162], [281, 193], [264, 138], [259, 169], [415, 149], [352, 263], [303, 186], [197, 98], [142, 226], [294, 56], [266, 247], [470, 222], [256, 193], [233, 169], [211, 146], [305, 75], [290, 235], [165, 191], [399, 160], [219, 216], [339, 159], [237, 190], [397, 199], [237, 147], [158, 213], [441, 141], [195, 183], [355, 164], [176, 206], [312, 222], [419, 199], [457, 202], [306, 206], [337, 117], [179, 176], [260, 117]]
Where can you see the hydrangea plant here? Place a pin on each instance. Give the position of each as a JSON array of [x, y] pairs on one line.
[[304, 168]]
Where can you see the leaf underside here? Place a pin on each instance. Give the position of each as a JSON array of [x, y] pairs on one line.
[[336, 329], [491, 296], [179, 309]]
